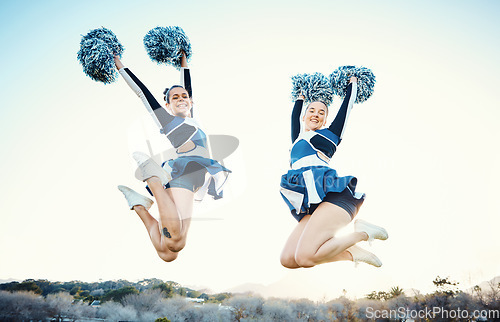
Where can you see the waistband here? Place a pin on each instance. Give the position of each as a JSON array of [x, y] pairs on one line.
[[309, 161]]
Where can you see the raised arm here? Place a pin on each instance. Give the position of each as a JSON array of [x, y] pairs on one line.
[[159, 114], [297, 110], [186, 77], [338, 124]]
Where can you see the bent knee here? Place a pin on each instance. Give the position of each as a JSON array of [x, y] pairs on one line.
[[168, 256], [288, 261], [304, 259], [176, 244]]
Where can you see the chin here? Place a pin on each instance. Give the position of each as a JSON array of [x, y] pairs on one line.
[[314, 127], [183, 113]]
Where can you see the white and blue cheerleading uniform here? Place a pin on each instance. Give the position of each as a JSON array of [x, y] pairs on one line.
[[194, 169], [310, 180]]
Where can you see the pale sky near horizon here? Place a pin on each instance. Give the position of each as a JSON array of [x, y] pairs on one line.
[[424, 147]]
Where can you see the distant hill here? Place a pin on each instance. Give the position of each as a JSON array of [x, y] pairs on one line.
[[288, 287], [9, 280], [282, 288], [486, 285], [249, 288]]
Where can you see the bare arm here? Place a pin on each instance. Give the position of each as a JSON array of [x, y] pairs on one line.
[[118, 63], [184, 62]]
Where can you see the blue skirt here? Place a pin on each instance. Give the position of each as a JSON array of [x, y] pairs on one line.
[[214, 176], [309, 185]]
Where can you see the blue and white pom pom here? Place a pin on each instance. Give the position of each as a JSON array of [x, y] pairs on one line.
[[315, 88], [108, 37], [339, 80], [96, 54], [164, 45]]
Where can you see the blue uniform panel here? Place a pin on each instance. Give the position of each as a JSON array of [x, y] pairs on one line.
[[311, 179], [309, 143], [200, 139], [300, 149]]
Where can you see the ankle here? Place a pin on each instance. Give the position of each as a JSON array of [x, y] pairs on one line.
[[348, 256], [153, 181], [139, 208], [364, 235]]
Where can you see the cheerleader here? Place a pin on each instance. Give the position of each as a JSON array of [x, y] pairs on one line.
[[178, 182], [320, 200]]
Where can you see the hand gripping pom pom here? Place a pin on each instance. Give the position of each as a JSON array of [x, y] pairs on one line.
[[339, 80], [315, 87], [164, 45], [96, 54]]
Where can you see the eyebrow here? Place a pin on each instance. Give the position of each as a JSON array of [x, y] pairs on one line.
[[321, 109]]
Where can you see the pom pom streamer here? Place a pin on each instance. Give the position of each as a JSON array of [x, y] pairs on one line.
[[108, 37], [339, 80], [96, 54], [164, 45], [315, 87]]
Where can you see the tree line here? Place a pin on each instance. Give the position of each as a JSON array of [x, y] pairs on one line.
[[109, 290], [156, 300]]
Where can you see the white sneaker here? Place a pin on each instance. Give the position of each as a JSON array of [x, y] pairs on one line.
[[134, 198], [373, 231], [361, 255], [149, 168]]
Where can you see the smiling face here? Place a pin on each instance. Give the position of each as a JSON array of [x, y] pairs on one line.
[[179, 103], [315, 116]]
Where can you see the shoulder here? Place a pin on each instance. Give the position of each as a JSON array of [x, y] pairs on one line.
[[328, 134]]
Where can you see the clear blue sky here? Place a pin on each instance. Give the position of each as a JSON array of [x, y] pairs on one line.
[[423, 147]]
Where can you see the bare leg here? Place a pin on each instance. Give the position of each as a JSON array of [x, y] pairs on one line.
[[183, 200], [288, 253], [153, 228], [318, 244], [175, 206]]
